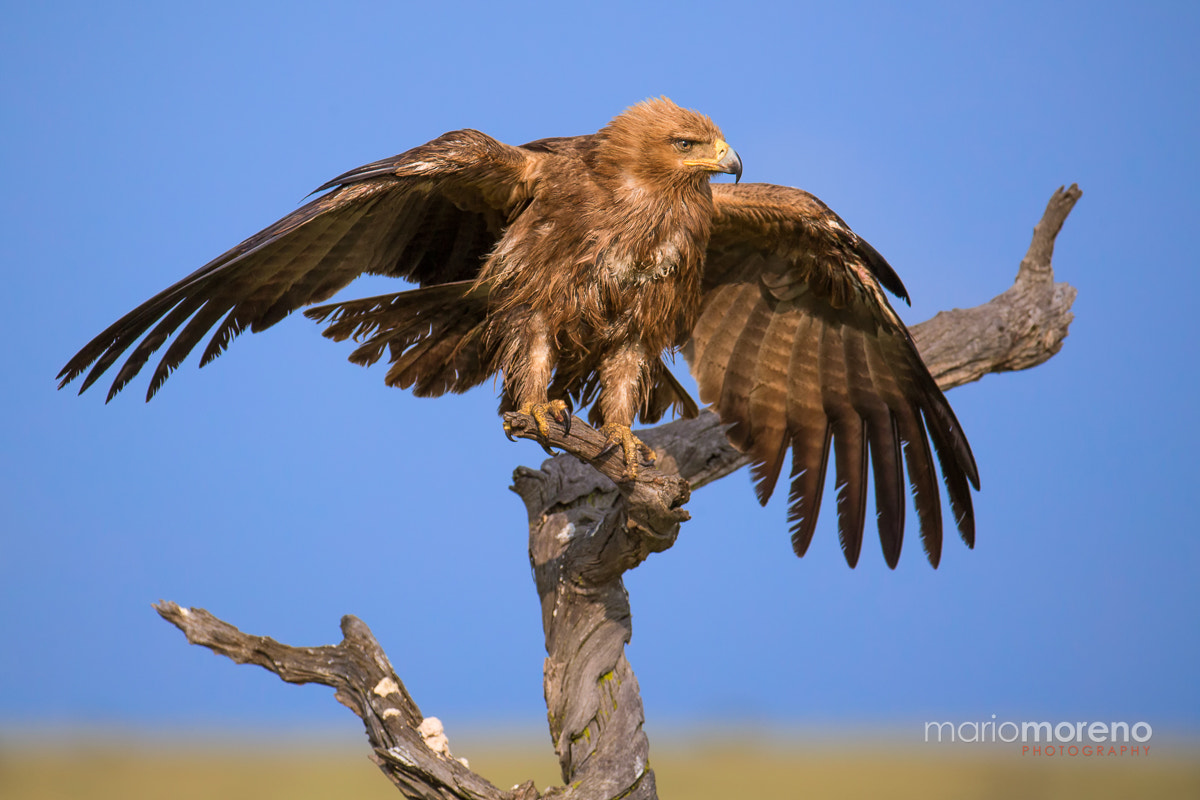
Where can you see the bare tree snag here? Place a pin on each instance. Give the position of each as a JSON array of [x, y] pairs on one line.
[[1018, 329], [587, 527]]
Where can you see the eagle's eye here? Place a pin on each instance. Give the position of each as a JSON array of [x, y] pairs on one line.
[[683, 145]]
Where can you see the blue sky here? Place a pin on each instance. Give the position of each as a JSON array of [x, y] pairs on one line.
[[282, 487]]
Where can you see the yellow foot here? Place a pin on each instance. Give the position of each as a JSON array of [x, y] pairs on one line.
[[542, 413], [635, 450]]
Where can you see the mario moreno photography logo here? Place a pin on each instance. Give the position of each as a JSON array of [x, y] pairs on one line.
[[1071, 739]]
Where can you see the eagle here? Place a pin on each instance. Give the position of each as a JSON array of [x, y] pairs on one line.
[[569, 268]]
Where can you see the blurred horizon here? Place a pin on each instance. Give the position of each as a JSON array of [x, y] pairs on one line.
[[697, 767]]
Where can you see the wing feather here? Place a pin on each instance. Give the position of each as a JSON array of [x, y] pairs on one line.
[[910, 431], [797, 348], [810, 431], [887, 370], [767, 408], [429, 215], [731, 309], [849, 444], [739, 384], [882, 436]]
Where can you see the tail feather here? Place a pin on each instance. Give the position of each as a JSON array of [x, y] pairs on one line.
[[433, 336], [667, 394]]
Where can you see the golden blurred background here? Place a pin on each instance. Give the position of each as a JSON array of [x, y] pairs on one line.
[[175, 767]]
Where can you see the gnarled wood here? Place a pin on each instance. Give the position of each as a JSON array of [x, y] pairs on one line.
[[1018, 329], [409, 751]]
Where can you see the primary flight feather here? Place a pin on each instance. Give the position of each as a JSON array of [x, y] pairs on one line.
[[569, 267]]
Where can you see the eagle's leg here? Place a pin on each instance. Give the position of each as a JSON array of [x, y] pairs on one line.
[[624, 380], [529, 356]]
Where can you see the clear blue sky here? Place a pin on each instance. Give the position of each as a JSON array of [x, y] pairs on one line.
[[282, 487]]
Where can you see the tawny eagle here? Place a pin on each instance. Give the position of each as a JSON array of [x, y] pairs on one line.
[[570, 266]]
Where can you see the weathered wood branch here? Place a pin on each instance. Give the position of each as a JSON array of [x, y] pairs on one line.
[[587, 526], [410, 749], [1018, 329]]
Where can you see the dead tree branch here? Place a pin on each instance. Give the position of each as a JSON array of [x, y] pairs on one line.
[[587, 527], [411, 750], [1018, 329]]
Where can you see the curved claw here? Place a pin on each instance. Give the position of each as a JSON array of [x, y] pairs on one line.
[[568, 414], [563, 417], [609, 444], [649, 457]]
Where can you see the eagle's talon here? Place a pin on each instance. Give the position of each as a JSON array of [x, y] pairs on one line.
[[542, 413], [569, 414], [649, 457], [634, 449]]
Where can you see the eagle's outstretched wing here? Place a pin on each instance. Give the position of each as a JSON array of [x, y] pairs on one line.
[[797, 347], [428, 215]]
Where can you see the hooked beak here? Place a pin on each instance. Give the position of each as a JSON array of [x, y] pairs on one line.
[[730, 163], [726, 160]]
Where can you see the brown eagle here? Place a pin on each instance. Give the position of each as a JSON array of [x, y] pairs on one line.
[[570, 266]]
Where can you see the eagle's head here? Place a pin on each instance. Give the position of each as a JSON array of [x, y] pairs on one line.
[[659, 142]]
